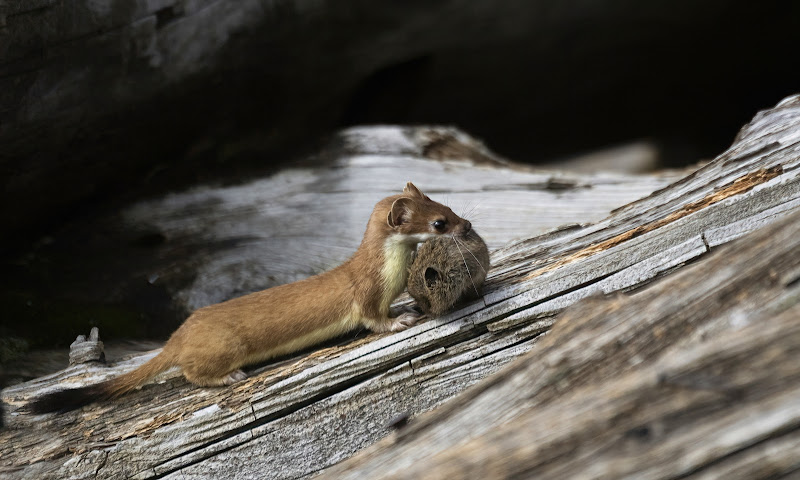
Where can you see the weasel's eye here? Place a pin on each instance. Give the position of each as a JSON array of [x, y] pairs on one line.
[[439, 225]]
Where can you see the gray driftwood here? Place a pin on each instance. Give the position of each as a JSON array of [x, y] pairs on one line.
[[84, 350], [695, 377], [690, 374]]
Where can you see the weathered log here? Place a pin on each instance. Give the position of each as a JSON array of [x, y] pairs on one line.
[[296, 418], [83, 350], [694, 377]]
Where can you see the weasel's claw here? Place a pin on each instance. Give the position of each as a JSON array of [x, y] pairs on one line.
[[235, 377], [405, 321]]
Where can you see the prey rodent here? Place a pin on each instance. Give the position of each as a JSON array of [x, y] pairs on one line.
[[447, 270]]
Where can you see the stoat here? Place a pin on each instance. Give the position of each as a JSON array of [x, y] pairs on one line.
[[216, 341]]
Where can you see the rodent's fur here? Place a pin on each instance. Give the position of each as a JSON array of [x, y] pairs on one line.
[[447, 270], [216, 341]]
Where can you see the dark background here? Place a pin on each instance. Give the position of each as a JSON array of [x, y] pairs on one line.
[[91, 119]]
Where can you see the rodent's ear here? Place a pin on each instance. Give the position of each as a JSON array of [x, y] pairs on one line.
[[412, 190], [400, 212], [432, 277]]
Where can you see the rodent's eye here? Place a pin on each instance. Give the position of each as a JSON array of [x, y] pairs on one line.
[[439, 225]]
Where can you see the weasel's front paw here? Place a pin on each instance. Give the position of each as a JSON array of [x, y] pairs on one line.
[[404, 321], [235, 376]]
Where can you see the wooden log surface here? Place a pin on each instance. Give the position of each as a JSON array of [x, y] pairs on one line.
[[301, 416], [694, 377]]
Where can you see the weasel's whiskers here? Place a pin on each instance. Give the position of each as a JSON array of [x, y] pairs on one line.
[[466, 209], [469, 210], [465, 264], [473, 256]]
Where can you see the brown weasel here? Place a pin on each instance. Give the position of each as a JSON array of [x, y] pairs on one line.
[[216, 341], [447, 270]]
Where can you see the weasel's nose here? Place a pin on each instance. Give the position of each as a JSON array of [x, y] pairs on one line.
[[467, 226]]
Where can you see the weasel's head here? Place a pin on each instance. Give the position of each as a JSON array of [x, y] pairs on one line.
[[418, 218]]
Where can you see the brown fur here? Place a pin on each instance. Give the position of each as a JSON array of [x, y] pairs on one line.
[[445, 272], [217, 340]]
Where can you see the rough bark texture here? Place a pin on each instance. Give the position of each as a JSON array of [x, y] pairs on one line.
[[694, 377], [694, 374]]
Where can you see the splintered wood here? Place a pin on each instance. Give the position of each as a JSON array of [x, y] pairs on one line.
[[635, 386], [738, 186], [688, 370]]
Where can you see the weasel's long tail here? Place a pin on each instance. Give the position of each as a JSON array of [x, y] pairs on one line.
[[66, 400]]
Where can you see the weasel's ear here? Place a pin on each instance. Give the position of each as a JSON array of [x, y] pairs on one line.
[[400, 212], [432, 276], [413, 191]]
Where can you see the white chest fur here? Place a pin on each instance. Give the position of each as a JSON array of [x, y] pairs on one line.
[[397, 253]]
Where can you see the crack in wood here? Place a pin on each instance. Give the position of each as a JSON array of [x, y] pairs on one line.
[[156, 423], [739, 186], [248, 427]]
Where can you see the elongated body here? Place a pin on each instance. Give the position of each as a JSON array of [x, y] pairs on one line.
[[216, 341]]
